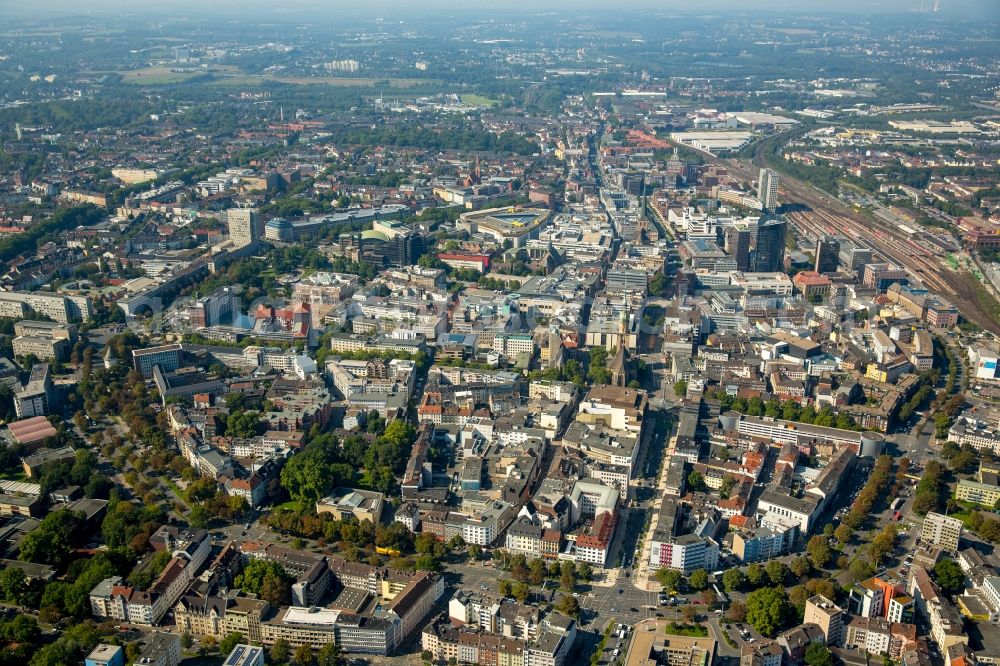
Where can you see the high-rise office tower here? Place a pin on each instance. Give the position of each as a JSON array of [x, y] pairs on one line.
[[769, 255], [767, 189], [738, 247], [827, 255], [244, 226]]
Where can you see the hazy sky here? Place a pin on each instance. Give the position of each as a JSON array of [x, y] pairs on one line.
[[980, 8]]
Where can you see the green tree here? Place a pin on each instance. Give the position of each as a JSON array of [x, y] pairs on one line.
[[695, 480], [680, 388], [777, 572], [949, 576], [536, 571], [768, 610], [964, 461], [231, 640], [311, 474], [598, 368], [243, 424], [658, 284], [790, 410], [861, 568], [800, 566], [728, 483], [733, 580], [280, 651], [819, 551], [883, 544], [427, 563], [329, 655], [567, 576], [303, 656], [818, 654], [267, 579], [199, 517], [22, 629], [13, 584], [394, 535], [756, 576], [669, 579], [52, 541], [568, 605], [698, 579], [70, 648]]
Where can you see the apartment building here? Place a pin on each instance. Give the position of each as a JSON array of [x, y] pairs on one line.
[[111, 599], [160, 649], [827, 616], [167, 357], [984, 490], [57, 307], [43, 339], [684, 553], [37, 395], [524, 537], [801, 510], [767, 541], [219, 616], [941, 530], [878, 636]]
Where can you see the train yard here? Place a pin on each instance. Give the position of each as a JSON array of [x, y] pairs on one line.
[[925, 256]]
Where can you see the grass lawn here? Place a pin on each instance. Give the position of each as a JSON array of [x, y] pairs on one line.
[[985, 299], [248, 80], [478, 100], [965, 515], [157, 76], [162, 75], [695, 630], [177, 491], [352, 82], [204, 660]]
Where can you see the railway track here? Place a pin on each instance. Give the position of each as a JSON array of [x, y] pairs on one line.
[[827, 214]]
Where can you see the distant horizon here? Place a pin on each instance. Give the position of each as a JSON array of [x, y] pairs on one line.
[[255, 9]]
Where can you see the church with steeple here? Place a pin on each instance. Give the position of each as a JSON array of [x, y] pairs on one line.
[[475, 177], [620, 366]]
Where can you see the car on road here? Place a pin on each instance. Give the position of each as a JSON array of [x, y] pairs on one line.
[[621, 591]]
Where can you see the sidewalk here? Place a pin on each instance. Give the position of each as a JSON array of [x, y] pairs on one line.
[[610, 578]]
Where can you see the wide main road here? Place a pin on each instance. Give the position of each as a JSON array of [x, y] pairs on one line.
[[831, 215]]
